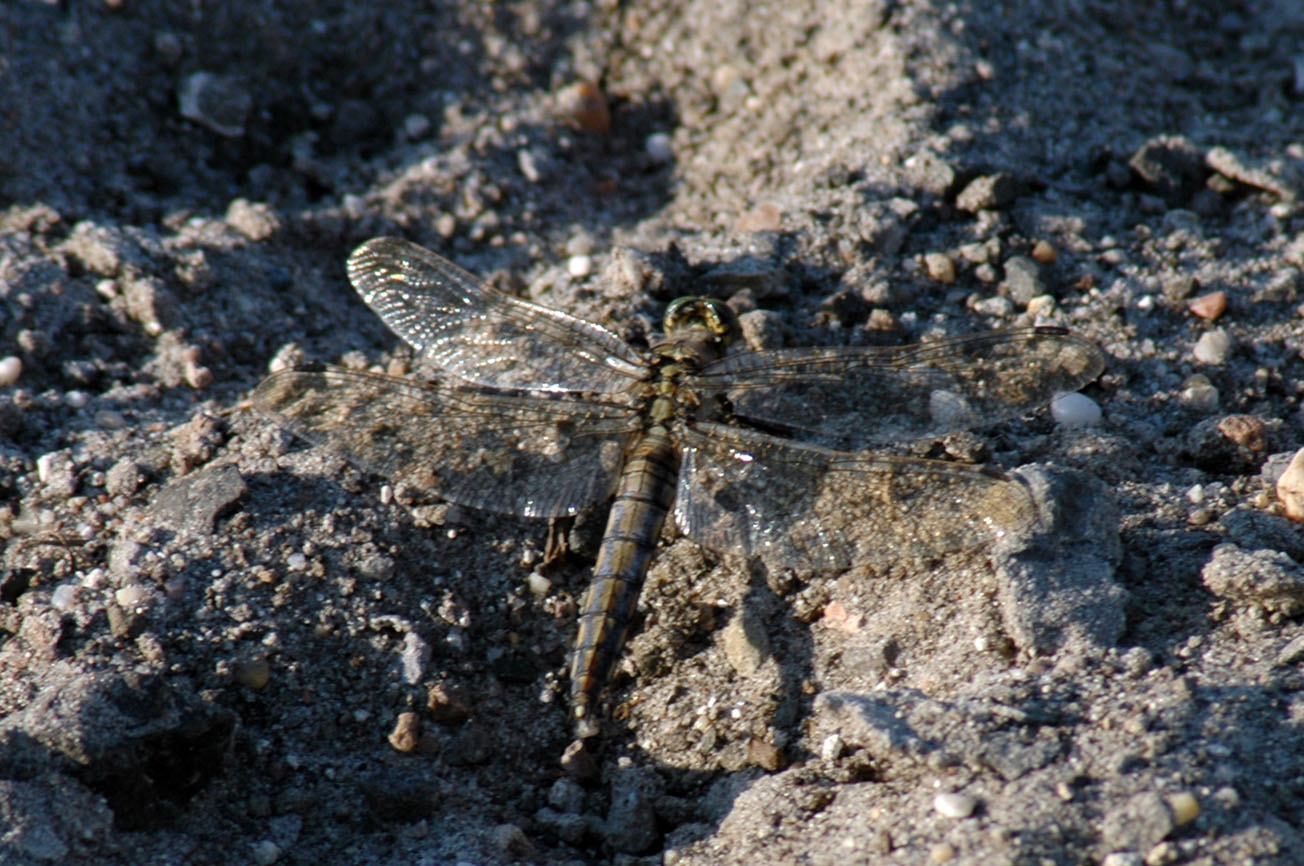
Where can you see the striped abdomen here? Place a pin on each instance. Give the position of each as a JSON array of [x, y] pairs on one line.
[[643, 497]]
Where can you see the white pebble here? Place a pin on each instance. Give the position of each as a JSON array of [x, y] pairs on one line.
[[1200, 394], [1123, 858], [1074, 410], [579, 266], [658, 147], [1212, 347], [10, 369], [266, 852], [64, 596], [132, 596], [76, 399], [954, 805], [296, 561], [538, 584]]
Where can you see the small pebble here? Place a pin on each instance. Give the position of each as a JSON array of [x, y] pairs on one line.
[[266, 852], [252, 673], [954, 805], [406, 733], [940, 267], [579, 266], [1199, 393], [1074, 410], [76, 399], [1041, 306], [64, 596], [1290, 487], [10, 369], [296, 562], [1210, 306], [1212, 347], [1248, 431], [1185, 807], [539, 585], [658, 148], [131, 596], [1122, 858], [1292, 652], [584, 105], [765, 755], [1043, 252], [942, 852], [998, 307]]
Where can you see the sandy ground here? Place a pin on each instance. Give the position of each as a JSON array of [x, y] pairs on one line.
[[221, 646]]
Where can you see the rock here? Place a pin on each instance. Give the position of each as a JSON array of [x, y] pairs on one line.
[[1213, 347], [988, 192], [1209, 447], [765, 280], [1247, 431], [1268, 578], [1290, 487], [512, 841], [46, 818], [1073, 409], [765, 755], [1170, 166], [1044, 252], [566, 796], [628, 272], [584, 106], [1023, 280], [1210, 306], [124, 478], [1137, 825], [875, 722], [954, 805], [940, 267], [256, 221], [1056, 588], [195, 503], [406, 733], [11, 369], [746, 643], [631, 826], [761, 329], [140, 742]]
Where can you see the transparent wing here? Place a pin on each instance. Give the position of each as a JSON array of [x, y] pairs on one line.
[[531, 455], [805, 507], [854, 396], [482, 335]]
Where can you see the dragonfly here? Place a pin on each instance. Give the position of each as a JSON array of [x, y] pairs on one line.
[[782, 455]]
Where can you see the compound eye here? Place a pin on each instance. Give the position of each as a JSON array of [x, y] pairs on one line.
[[721, 319]]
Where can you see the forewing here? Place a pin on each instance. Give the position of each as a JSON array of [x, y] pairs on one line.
[[482, 335], [527, 454], [804, 507], [854, 396]]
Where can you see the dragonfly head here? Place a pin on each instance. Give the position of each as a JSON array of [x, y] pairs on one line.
[[697, 313]]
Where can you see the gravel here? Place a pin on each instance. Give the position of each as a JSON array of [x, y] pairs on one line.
[[1113, 684]]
